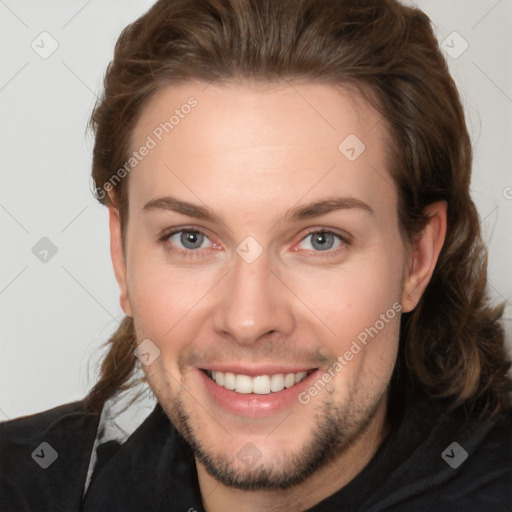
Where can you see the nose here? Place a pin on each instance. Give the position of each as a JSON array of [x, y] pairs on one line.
[[253, 302]]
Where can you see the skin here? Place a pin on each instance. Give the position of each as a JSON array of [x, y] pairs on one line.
[[250, 153]]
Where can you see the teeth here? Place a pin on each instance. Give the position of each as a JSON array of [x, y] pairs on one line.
[[243, 384], [229, 380], [289, 380], [260, 385], [277, 382], [299, 376]]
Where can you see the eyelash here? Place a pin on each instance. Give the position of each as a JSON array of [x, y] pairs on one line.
[[345, 242], [197, 253]]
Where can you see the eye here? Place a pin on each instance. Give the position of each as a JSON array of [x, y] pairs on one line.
[[186, 241], [191, 242], [323, 240]]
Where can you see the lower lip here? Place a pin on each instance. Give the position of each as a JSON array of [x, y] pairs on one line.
[[252, 404]]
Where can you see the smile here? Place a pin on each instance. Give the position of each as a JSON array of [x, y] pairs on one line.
[[260, 384]]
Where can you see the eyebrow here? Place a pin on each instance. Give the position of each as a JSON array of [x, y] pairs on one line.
[[308, 211]]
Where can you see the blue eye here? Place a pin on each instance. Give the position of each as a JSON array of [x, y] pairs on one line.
[[325, 243], [190, 240], [322, 240]]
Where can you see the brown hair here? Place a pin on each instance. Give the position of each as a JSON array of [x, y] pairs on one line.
[[452, 344]]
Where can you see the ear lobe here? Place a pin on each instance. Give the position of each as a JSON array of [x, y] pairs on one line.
[[424, 255], [118, 261]]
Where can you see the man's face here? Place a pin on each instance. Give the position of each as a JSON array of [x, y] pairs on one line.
[[251, 296]]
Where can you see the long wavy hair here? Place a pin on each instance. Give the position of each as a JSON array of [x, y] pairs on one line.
[[452, 344]]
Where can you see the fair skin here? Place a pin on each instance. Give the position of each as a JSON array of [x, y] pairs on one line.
[[249, 154]]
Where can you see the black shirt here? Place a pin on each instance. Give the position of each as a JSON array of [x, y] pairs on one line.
[[431, 461]]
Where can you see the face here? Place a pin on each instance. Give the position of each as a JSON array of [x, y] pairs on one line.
[[264, 261]]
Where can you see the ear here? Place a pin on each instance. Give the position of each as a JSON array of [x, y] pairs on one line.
[[118, 261], [423, 256]]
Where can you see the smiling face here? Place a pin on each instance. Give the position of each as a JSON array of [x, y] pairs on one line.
[[259, 251]]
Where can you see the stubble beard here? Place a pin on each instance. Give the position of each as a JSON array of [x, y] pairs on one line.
[[336, 429]]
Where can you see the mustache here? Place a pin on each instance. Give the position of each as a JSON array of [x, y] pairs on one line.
[[269, 353]]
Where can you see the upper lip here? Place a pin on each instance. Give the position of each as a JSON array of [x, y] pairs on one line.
[[254, 371]]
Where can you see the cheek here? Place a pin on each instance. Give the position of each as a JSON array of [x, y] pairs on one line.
[[364, 355], [354, 296], [164, 299], [359, 306]]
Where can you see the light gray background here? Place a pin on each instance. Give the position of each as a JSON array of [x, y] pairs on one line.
[[55, 316]]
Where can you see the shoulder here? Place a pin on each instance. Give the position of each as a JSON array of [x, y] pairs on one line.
[[486, 471], [446, 459], [64, 425], [25, 425], [466, 464], [44, 458], [476, 462]]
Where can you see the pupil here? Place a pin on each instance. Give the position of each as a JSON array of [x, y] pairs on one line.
[[190, 237], [322, 239]]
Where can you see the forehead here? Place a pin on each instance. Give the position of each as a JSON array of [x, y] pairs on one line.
[[280, 143]]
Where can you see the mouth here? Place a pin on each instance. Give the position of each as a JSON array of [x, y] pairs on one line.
[[259, 384], [255, 392]]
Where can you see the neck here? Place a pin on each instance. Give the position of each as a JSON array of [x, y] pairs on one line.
[[326, 481]]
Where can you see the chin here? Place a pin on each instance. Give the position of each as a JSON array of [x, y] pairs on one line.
[[277, 458]]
